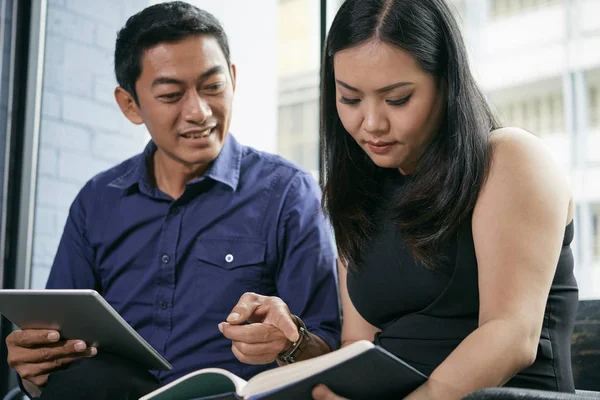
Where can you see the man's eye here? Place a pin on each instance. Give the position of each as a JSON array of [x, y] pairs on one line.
[[216, 86], [170, 96]]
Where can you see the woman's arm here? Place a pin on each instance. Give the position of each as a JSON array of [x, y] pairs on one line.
[[518, 227], [355, 327]]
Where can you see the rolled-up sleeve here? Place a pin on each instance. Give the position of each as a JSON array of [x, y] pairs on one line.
[[307, 276]]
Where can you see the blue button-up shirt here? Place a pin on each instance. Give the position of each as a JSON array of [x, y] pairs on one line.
[[175, 269]]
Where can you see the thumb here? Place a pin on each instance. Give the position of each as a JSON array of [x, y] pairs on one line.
[[286, 324], [244, 309], [322, 392]]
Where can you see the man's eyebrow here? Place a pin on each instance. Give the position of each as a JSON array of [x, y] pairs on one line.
[[212, 71], [166, 81], [172, 81]]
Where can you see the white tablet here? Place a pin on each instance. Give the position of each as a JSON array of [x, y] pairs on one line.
[[80, 314]]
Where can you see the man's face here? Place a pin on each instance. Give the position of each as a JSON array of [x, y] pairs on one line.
[[185, 95]]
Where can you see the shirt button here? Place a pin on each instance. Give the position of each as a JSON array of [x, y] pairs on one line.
[[229, 258], [165, 259], [163, 305]]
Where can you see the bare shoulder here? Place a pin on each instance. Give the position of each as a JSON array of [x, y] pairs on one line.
[[516, 145], [518, 154], [523, 171]]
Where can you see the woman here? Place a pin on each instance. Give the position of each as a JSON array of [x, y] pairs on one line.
[[454, 234]]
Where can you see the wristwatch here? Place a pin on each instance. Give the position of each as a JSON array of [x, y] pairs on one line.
[[290, 355]]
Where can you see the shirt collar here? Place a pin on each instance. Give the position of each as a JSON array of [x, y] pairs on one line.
[[225, 168]]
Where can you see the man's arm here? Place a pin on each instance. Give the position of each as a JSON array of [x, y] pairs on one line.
[[73, 266], [307, 278], [306, 284]]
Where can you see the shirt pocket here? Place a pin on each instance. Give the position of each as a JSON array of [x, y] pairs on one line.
[[227, 268]]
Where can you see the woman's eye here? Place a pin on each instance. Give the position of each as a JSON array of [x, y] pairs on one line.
[[398, 102], [345, 100]]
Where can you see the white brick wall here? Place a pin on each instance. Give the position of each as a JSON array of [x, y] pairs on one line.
[[63, 23], [82, 130]]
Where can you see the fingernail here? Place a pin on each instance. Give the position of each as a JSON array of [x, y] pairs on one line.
[[93, 351], [80, 346], [220, 327], [53, 336], [233, 317]]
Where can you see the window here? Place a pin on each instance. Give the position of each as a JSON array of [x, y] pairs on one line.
[[459, 9], [594, 102], [540, 114], [298, 72], [507, 8], [592, 133], [291, 119], [595, 213], [299, 134]]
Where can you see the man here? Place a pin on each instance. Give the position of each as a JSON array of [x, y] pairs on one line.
[[174, 236]]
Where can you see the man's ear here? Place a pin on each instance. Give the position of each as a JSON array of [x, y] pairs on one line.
[[128, 105], [232, 73]]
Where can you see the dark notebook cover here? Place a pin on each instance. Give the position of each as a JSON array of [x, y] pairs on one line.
[[374, 374], [222, 396]]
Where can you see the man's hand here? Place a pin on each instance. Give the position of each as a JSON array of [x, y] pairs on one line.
[[35, 353], [270, 331]]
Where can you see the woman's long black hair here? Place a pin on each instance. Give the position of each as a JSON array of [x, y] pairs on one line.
[[445, 185]]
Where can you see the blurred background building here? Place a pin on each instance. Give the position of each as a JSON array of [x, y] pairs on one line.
[[538, 61]]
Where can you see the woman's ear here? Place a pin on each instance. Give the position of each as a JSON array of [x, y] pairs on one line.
[[128, 105]]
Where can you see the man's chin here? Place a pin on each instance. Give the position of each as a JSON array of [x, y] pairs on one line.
[[201, 156]]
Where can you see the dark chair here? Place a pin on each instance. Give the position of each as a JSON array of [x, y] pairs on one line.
[[529, 394], [585, 348], [585, 357], [15, 394]]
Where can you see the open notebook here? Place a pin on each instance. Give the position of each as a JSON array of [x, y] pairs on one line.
[[358, 371]]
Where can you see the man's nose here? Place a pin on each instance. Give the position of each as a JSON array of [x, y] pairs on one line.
[[196, 109]]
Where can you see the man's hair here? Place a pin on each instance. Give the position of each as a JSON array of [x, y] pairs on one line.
[[164, 22]]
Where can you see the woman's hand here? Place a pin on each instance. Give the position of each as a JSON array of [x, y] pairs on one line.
[[322, 392]]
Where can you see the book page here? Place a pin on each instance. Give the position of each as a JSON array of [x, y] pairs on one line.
[[283, 376], [202, 383]]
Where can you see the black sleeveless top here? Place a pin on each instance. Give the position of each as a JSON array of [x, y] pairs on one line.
[[424, 314]]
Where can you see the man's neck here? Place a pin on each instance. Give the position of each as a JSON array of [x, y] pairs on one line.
[[170, 176]]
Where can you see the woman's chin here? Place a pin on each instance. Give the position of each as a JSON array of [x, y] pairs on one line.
[[385, 161]]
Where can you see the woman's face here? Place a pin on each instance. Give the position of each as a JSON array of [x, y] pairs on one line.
[[387, 103]]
